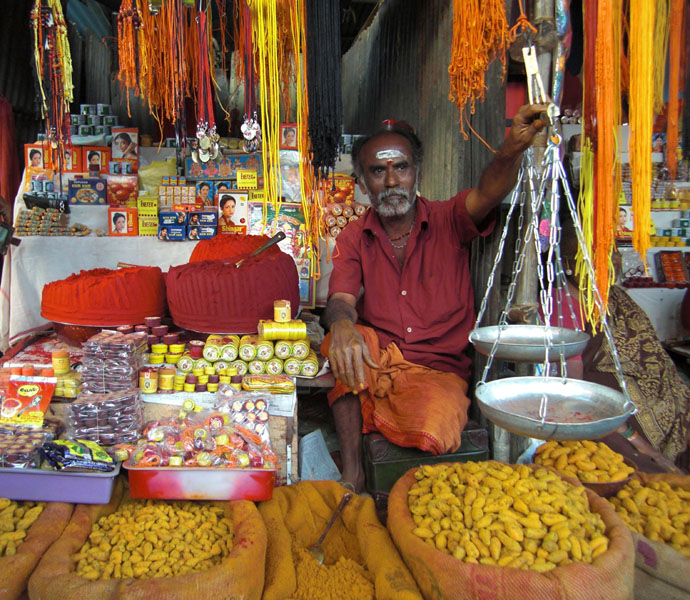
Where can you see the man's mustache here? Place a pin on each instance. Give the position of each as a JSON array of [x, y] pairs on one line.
[[398, 191]]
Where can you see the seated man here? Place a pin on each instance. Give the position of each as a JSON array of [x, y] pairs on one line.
[[397, 348]]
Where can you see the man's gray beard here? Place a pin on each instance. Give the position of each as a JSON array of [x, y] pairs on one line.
[[400, 208]]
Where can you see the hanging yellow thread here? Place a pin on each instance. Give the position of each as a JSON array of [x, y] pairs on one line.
[[586, 211], [641, 118], [265, 41]]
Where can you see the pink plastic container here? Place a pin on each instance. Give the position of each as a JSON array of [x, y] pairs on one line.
[[57, 486], [198, 483]]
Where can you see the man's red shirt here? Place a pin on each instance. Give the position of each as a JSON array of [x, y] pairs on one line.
[[427, 308]]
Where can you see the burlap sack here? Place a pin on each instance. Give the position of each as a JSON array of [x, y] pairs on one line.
[[439, 575], [239, 577], [15, 570], [301, 511], [660, 571]]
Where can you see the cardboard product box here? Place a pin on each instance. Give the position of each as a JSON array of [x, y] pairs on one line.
[[95, 159], [148, 225], [200, 232], [123, 221], [186, 206], [87, 191], [178, 217], [122, 189], [147, 205], [209, 218], [175, 233], [125, 143]]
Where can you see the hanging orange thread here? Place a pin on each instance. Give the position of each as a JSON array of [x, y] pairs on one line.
[[675, 35], [641, 118], [480, 35]]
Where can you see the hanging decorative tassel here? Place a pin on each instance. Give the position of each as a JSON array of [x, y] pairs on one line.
[[641, 99], [676, 33], [662, 26], [480, 35], [686, 87], [206, 146], [265, 41], [324, 81], [54, 69]]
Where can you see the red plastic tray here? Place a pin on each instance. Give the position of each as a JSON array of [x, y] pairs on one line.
[[209, 483]]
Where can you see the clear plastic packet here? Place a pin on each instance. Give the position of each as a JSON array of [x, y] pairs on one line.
[[26, 400], [108, 418], [76, 455], [20, 449]]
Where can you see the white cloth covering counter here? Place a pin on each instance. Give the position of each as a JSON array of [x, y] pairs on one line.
[[39, 260]]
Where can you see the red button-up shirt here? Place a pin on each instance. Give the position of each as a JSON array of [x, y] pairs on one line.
[[427, 308]]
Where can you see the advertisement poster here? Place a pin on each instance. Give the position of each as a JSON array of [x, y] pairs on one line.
[[290, 220]]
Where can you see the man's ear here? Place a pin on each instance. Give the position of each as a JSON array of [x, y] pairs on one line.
[[362, 186]]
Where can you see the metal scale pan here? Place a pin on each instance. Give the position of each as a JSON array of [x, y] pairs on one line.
[[577, 410], [527, 343]]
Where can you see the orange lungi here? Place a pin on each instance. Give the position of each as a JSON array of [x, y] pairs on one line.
[[410, 404]]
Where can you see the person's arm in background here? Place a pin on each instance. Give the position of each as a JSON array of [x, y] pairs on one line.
[[499, 178], [348, 352]]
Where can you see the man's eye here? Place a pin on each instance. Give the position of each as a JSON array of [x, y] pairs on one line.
[[377, 170]]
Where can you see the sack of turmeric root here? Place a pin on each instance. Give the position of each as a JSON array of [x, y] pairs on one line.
[[99, 558], [360, 560], [525, 517], [659, 517], [27, 537]]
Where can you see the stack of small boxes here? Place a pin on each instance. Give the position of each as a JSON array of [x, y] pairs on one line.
[[676, 235], [94, 119], [175, 191], [147, 211]]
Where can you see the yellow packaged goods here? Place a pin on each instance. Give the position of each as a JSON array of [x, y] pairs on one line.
[[590, 462], [300, 349], [283, 349], [27, 529], [479, 530], [155, 549], [247, 347], [276, 384], [310, 365], [360, 560], [264, 349], [657, 510]]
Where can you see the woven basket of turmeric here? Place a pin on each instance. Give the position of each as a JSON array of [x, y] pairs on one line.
[[27, 530], [155, 549], [511, 531], [360, 562]]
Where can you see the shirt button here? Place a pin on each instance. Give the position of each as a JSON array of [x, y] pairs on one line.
[[404, 292], [409, 330]]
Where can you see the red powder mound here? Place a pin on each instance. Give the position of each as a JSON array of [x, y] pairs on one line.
[[214, 296], [229, 246], [105, 297]]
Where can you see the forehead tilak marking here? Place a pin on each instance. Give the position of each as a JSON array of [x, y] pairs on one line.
[[389, 154]]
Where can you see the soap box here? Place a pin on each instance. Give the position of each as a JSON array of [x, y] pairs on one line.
[[203, 218], [87, 191], [172, 232], [200, 232], [172, 218]]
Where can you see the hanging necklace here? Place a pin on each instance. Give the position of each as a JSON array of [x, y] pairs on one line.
[[402, 235]]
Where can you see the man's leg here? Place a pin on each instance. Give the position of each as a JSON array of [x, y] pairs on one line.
[[347, 413]]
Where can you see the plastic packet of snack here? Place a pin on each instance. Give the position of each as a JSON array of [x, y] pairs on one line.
[[70, 455], [276, 384], [27, 400]]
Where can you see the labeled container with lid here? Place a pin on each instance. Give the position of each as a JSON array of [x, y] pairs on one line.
[[60, 360]]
